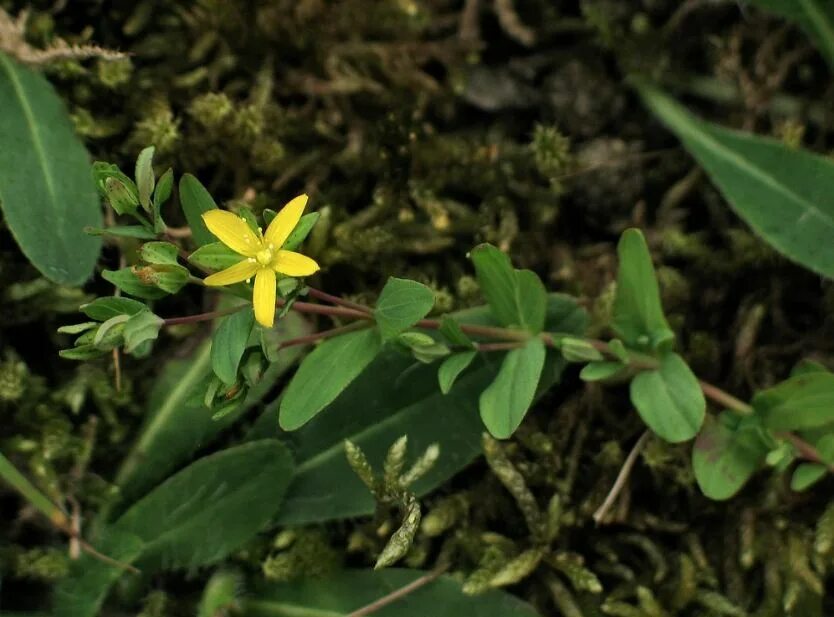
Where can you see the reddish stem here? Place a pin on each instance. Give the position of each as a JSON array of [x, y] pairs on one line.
[[326, 297]]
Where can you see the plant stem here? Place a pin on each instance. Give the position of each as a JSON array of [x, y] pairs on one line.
[[174, 321], [622, 477], [59, 519], [326, 297], [318, 336]]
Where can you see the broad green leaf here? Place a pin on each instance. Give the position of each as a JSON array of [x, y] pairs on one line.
[[806, 365], [325, 373], [215, 256], [145, 178], [210, 508], [131, 283], [452, 367], [340, 594], [598, 371], [122, 231], [196, 200], [726, 454], [140, 328], [506, 400], [82, 593], [402, 304], [802, 402], [393, 397], [301, 231], [102, 309], [782, 193], [159, 253], [669, 399], [229, 343], [47, 192], [516, 297], [177, 421], [816, 17], [638, 314]]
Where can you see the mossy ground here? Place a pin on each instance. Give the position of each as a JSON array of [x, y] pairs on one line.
[[421, 128]]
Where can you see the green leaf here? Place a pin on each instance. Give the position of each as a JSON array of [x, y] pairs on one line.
[[806, 475], [122, 231], [402, 304], [140, 328], [802, 402], [204, 512], [83, 592], [169, 278], [102, 309], [340, 594], [453, 333], [196, 200], [163, 191], [47, 193], [452, 367], [726, 454], [301, 231], [159, 253], [109, 334], [120, 197], [815, 17], [516, 297], [638, 314], [102, 172], [341, 360], [669, 399], [78, 328], [177, 423], [81, 352], [506, 400], [145, 179], [129, 282], [215, 256], [393, 397], [579, 350], [782, 193], [601, 370], [229, 342]]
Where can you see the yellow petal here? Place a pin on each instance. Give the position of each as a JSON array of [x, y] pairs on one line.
[[233, 274], [285, 221], [232, 231], [264, 297], [294, 264]]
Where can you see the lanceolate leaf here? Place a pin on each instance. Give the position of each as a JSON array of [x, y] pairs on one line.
[[397, 396], [210, 508], [47, 192], [669, 399], [782, 193], [341, 594], [229, 343], [505, 402], [195, 200], [638, 314], [816, 17], [325, 373]]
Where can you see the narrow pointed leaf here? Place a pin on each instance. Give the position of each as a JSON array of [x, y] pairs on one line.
[[782, 193], [195, 200]]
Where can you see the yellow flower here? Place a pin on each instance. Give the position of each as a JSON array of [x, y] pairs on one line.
[[263, 252]]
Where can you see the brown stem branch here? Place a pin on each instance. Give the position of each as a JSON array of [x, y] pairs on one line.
[[326, 297], [621, 480]]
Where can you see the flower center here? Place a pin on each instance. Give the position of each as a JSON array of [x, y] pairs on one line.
[[264, 257]]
